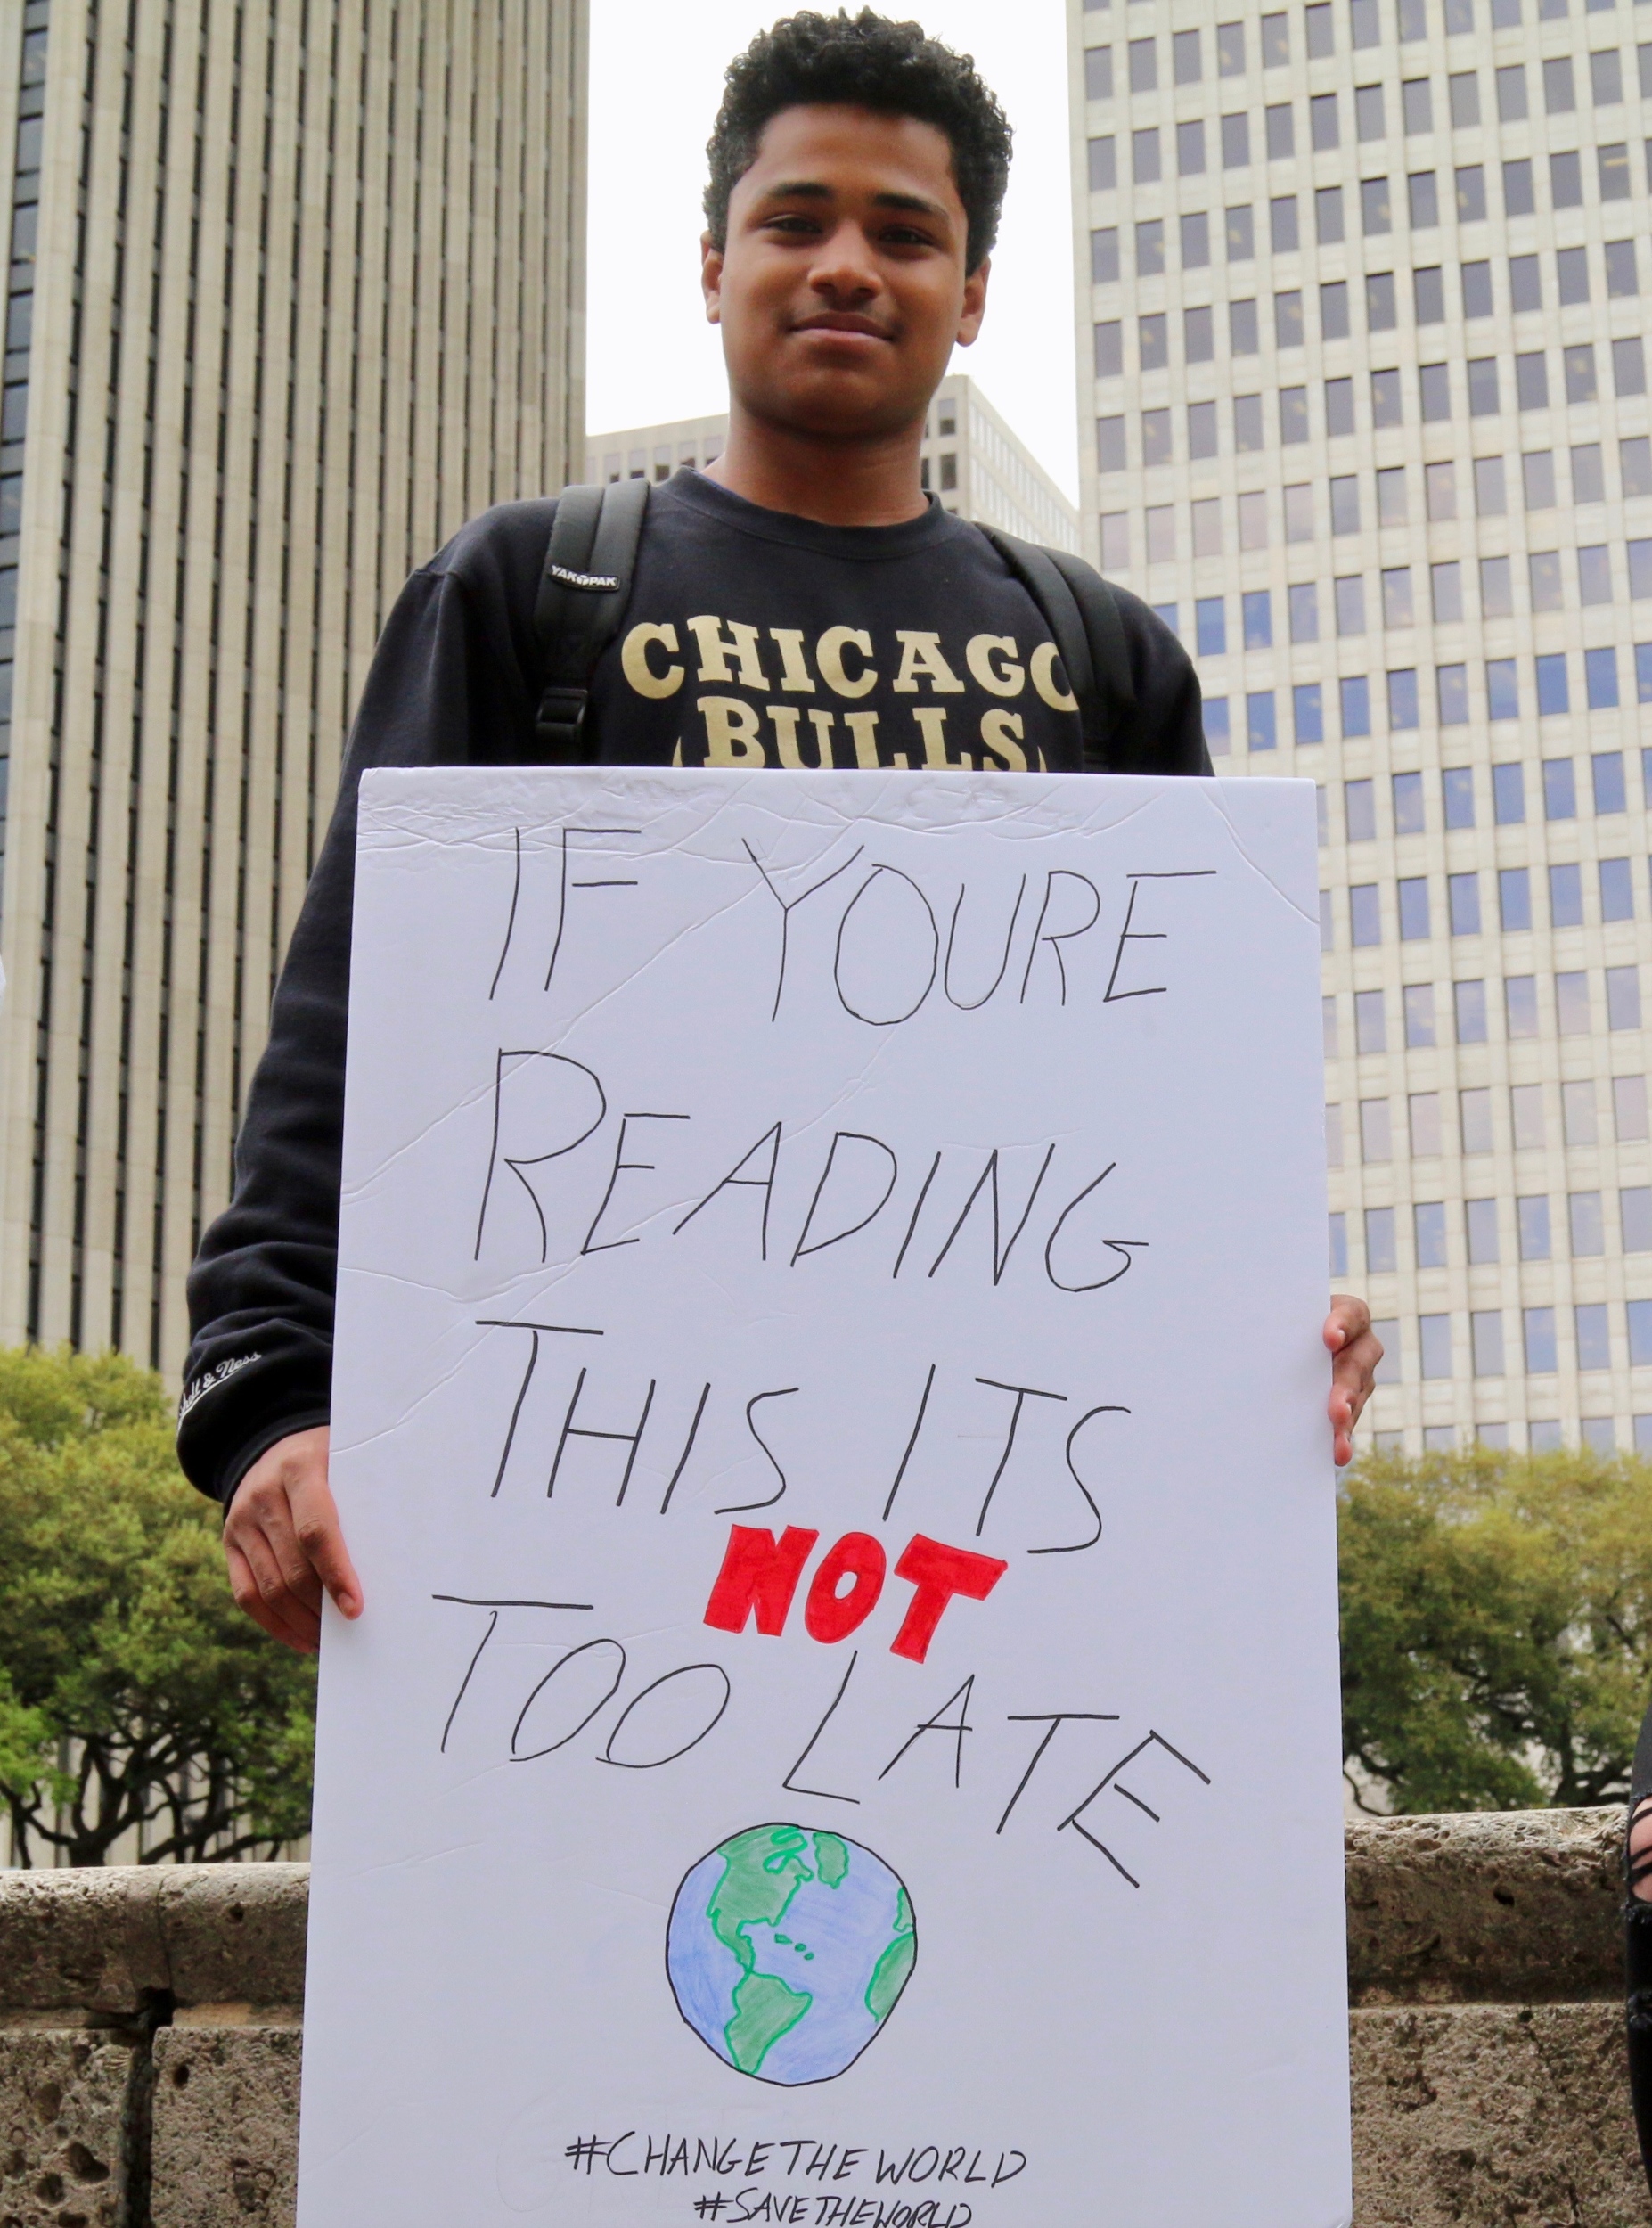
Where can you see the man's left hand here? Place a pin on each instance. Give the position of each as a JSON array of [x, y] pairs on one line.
[[1357, 1349]]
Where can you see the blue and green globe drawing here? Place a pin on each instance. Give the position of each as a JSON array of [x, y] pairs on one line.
[[787, 1950]]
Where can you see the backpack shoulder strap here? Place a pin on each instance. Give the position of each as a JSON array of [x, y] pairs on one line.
[[1082, 615], [583, 595]]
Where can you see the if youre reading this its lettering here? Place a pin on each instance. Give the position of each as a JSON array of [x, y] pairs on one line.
[[829, 1415]]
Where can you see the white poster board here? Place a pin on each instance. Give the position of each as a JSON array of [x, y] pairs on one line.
[[829, 1417]]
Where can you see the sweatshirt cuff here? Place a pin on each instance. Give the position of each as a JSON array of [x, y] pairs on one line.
[[236, 1407]]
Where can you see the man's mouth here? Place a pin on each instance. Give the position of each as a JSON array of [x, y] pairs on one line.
[[842, 320]]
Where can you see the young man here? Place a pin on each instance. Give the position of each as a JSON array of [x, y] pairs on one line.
[[801, 587]]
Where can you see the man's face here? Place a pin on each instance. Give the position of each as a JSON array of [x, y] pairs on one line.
[[842, 289]]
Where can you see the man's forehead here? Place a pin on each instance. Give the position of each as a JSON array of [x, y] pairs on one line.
[[825, 152]]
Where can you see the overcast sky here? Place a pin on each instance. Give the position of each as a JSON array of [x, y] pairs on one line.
[[656, 81]]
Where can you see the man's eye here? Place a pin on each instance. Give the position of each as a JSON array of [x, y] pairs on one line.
[[792, 224], [904, 236]]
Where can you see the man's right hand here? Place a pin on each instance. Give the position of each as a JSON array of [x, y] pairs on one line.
[[283, 1543]]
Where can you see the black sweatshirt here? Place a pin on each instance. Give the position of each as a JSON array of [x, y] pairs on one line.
[[751, 638]]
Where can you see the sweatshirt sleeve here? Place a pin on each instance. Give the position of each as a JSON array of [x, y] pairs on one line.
[[444, 689], [1168, 729]]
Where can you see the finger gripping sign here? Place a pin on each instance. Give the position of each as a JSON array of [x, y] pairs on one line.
[[829, 1415]]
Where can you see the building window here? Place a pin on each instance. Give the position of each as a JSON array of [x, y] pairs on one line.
[[1565, 179], [1594, 1343], [1538, 1327], [1587, 1225], [1532, 1228], [1623, 997], [1509, 796], [1580, 373], [1565, 895], [1571, 1003], [1617, 890], [1457, 793], [1514, 898]]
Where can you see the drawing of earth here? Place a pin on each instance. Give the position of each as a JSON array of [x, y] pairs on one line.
[[787, 1950]]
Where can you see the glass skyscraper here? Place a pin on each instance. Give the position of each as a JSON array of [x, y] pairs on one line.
[[1363, 364], [292, 291]]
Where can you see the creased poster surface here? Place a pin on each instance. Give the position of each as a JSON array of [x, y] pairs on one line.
[[829, 1416]]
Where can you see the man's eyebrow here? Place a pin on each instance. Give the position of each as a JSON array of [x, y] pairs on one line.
[[913, 202]]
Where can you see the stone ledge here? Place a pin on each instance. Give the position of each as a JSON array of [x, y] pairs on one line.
[[1487, 1907], [1485, 2115], [64, 2129], [109, 1940], [150, 2034], [224, 2146], [1498, 1907]]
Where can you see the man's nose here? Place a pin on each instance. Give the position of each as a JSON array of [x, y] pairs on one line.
[[845, 268]]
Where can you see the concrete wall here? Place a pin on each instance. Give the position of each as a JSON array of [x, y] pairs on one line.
[[150, 2034]]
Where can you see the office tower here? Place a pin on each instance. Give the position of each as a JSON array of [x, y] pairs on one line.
[[1363, 401], [970, 458], [292, 291]]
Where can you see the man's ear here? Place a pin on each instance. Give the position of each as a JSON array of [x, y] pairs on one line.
[[711, 278], [974, 303]]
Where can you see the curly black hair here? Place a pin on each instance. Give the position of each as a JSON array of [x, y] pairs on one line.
[[868, 62]]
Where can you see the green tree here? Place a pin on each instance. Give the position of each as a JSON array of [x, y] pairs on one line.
[[133, 1691], [1496, 1626]]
